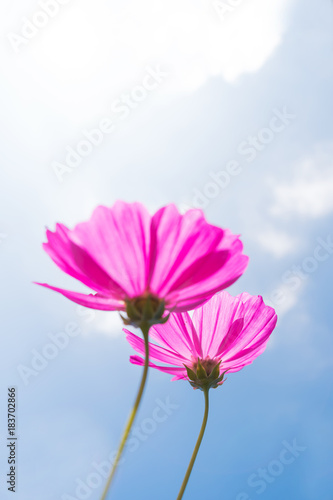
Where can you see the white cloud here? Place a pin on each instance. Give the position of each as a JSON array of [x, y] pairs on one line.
[[185, 36], [309, 193], [290, 299], [276, 242], [283, 298], [103, 322]]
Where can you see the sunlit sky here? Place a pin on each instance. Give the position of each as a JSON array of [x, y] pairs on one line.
[[197, 103]]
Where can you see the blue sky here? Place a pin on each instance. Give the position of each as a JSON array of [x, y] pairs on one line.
[[215, 85]]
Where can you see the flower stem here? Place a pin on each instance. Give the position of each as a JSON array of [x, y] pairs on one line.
[[145, 330], [196, 448]]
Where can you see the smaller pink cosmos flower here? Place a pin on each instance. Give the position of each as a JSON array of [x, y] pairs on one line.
[[142, 263], [224, 335]]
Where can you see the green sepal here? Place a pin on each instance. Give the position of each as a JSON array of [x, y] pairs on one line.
[[219, 380], [162, 320], [132, 312], [221, 376], [215, 372], [160, 310], [201, 372], [126, 321], [146, 310], [190, 373], [199, 379]]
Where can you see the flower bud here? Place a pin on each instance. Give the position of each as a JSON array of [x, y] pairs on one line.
[[205, 374], [146, 310]]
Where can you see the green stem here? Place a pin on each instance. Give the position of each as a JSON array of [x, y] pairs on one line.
[[196, 448], [145, 329]]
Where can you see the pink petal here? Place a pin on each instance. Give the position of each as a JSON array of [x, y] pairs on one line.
[[233, 329], [232, 335], [225, 273], [123, 252], [118, 240], [155, 352], [233, 367], [177, 243], [77, 263], [178, 334], [259, 322], [179, 373], [213, 321], [222, 274], [245, 356], [96, 301]]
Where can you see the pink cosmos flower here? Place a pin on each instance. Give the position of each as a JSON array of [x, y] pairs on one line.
[[224, 335], [125, 255]]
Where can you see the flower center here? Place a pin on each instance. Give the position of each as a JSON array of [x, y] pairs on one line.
[[205, 374], [140, 303], [208, 364], [145, 309]]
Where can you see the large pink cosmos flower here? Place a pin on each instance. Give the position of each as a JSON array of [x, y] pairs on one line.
[[224, 335], [126, 255]]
